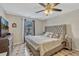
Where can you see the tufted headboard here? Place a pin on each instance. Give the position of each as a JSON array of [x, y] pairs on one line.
[[60, 29]]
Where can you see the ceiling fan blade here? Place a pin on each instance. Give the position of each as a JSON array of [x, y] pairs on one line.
[[42, 4], [57, 9], [55, 4], [39, 11]]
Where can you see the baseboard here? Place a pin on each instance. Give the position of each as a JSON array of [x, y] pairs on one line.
[[18, 43], [76, 49]]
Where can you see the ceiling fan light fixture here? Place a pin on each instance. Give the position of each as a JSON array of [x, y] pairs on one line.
[[49, 8], [48, 12]]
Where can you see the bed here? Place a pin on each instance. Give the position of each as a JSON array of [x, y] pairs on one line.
[[42, 45]]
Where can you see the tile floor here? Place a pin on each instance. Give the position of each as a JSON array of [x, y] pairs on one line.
[[22, 50]]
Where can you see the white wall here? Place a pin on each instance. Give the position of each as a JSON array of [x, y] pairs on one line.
[[17, 32], [2, 12], [39, 27], [72, 19]]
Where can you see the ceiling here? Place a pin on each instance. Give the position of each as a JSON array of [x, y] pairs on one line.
[[29, 9]]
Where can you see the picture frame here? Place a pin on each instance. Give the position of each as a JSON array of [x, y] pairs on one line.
[[14, 25]]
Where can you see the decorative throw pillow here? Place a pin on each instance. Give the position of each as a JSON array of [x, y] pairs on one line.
[[61, 36], [50, 35], [55, 36], [46, 34]]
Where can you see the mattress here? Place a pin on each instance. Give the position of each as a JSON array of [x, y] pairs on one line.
[[43, 43]]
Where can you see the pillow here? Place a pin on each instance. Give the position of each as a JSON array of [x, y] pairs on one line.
[[55, 36], [50, 35], [46, 34], [61, 36]]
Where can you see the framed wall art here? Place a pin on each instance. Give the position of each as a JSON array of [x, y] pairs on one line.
[[14, 25]]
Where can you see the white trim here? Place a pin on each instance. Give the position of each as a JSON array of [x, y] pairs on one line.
[[23, 29], [75, 49], [17, 43]]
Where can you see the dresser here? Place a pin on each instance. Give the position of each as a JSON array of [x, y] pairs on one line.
[[6, 44]]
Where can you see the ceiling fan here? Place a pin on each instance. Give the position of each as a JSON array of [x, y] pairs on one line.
[[49, 8]]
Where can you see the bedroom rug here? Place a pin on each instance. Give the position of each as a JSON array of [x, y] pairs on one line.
[[22, 50]]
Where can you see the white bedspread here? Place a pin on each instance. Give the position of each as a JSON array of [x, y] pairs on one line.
[[43, 43]]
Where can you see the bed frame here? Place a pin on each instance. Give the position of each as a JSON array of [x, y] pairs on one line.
[[61, 29]]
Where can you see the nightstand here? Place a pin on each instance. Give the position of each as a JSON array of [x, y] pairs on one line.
[[68, 44], [64, 44]]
